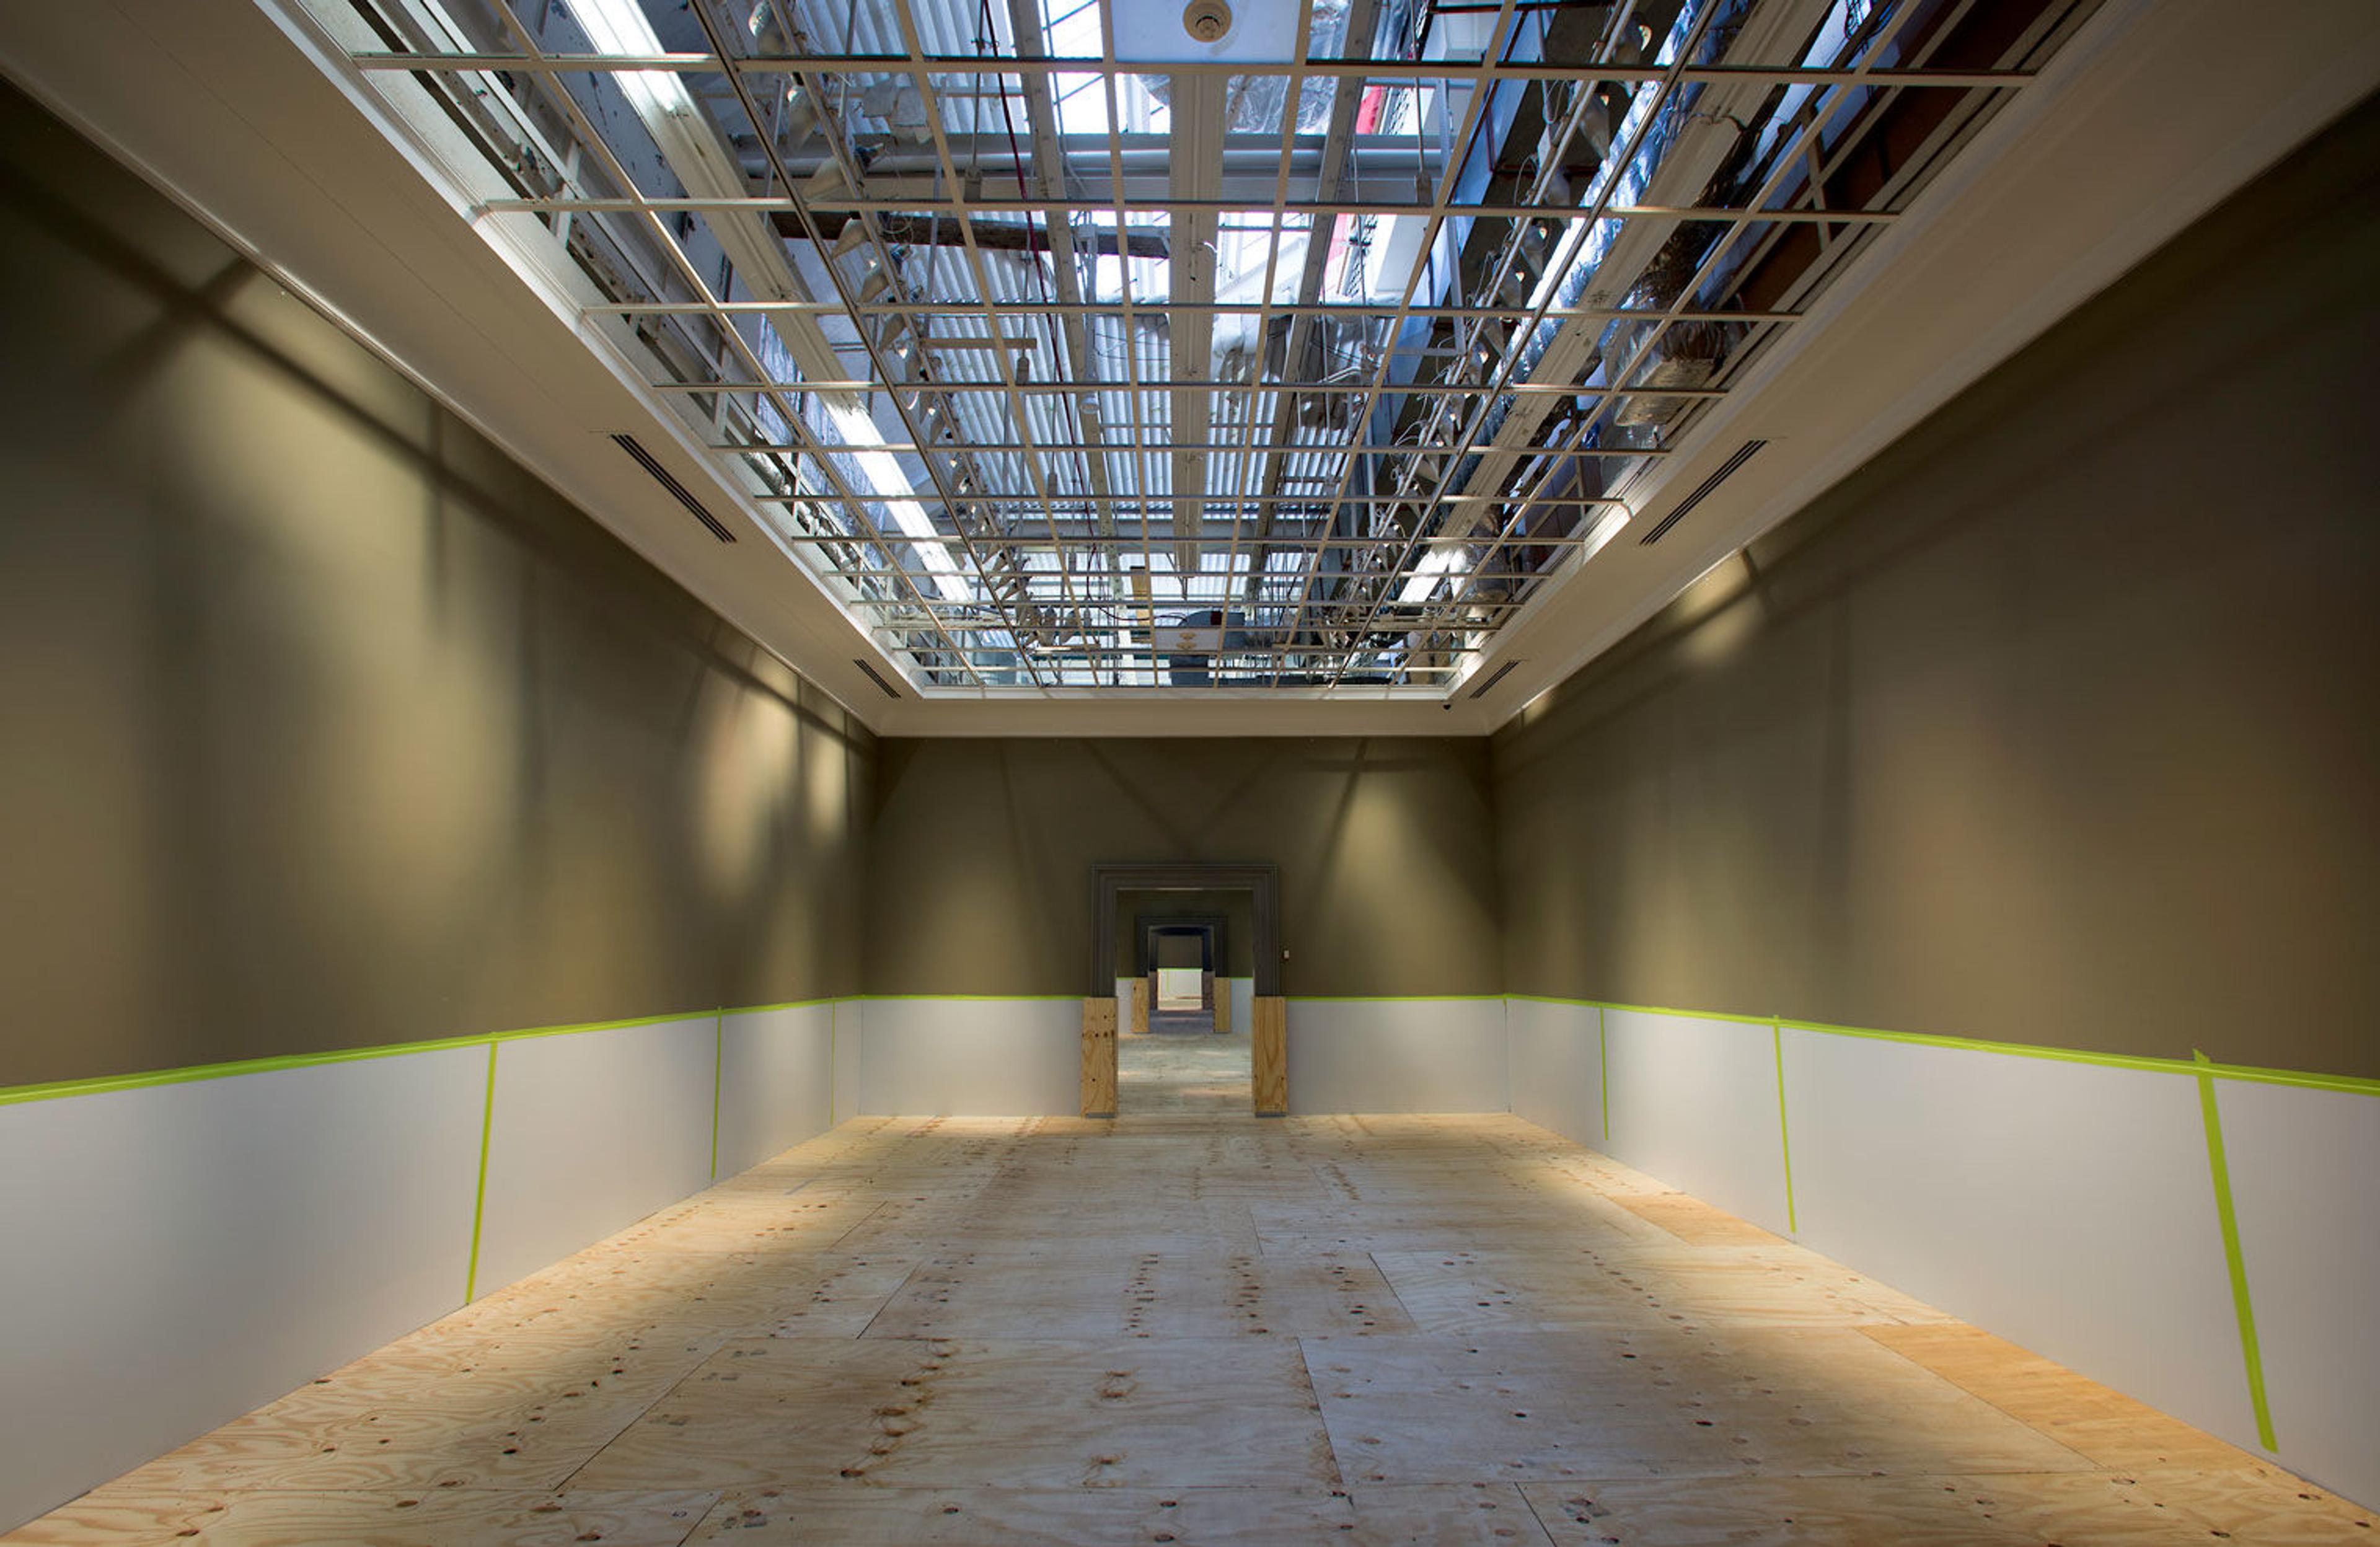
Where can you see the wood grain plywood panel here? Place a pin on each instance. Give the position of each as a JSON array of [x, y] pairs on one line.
[[1269, 1055], [389, 1518], [1017, 1414], [2106, 1425], [1098, 1057]]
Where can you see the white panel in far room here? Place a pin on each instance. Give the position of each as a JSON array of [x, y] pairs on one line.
[[2064, 1206], [2303, 1164], [1557, 1067], [1243, 992], [176, 1255], [973, 1058], [1397, 1055], [776, 1076], [593, 1130], [1693, 1104]]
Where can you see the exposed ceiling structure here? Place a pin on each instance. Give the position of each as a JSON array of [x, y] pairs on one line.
[[1072, 349], [1063, 373]]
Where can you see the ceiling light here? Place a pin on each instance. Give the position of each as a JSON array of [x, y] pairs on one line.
[[1435, 565], [619, 27], [884, 481]]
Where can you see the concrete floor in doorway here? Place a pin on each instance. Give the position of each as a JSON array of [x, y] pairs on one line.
[[1168, 1072], [1196, 1326]]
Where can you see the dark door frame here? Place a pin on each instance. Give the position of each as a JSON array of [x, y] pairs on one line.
[[1216, 927], [1108, 881]]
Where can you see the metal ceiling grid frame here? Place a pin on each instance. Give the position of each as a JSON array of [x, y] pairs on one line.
[[1096, 345]]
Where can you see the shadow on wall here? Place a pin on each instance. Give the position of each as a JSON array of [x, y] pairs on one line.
[[2048, 725], [351, 731], [984, 848]]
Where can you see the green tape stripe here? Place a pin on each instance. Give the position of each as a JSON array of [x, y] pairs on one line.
[[972, 998], [2248, 1074], [479, 1199], [1784, 1134], [190, 1074], [1642, 1009], [1389, 998], [2251, 1353], [1603, 1070], [718, 1071]]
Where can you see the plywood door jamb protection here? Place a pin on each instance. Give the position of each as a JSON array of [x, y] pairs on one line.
[[1099, 1057]]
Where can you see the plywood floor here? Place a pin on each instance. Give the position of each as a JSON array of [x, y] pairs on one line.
[[1199, 1327]]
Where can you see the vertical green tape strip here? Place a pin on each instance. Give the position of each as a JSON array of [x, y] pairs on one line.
[[718, 1067], [1603, 1071], [2237, 1260], [480, 1200], [1784, 1136]]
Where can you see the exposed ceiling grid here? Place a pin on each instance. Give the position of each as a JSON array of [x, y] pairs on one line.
[[1072, 352]]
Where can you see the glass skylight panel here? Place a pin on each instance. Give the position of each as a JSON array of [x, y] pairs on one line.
[[1413, 380]]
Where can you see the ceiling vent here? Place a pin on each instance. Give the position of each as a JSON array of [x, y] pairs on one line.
[[1499, 674], [677, 490], [877, 678], [1744, 454]]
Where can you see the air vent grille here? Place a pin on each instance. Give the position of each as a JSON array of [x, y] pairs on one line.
[[877, 678], [677, 490], [1494, 677], [1744, 454]]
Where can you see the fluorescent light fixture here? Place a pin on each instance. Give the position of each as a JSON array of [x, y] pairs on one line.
[[620, 27], [1435, 565], [884, 481]]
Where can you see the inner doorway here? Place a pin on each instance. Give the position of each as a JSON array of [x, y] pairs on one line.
[[1187, 959], [1191, 956]]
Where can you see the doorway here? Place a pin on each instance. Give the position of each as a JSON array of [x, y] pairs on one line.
[[1192, 1019]]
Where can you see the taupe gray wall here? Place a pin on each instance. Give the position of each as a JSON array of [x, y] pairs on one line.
[[2058, 723], [983, 852], [328, 725]]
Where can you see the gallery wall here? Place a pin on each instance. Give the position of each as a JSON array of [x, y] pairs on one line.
[[351, 774], [1887, 888], [2058, 722]]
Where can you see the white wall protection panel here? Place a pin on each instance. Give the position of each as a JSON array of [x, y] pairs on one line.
[[177, 1254], [1397, 1055], [1694, 1102], [2066, 1207], [847, 1032], [593, 1131], [1557, 1067], [2304, 1165], [776, 1076], [973, 1057]]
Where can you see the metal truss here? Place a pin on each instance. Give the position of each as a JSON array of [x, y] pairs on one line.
[[1071, 354]]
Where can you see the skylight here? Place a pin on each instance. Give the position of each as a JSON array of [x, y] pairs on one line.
[[1068, 351]]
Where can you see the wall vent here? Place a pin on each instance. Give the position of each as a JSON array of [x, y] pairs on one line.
[[878, 678], [677, 490], [1495, 676], [1703, 491]]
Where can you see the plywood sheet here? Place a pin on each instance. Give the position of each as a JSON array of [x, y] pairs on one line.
[[1269, 1055], [1098, 1057]]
